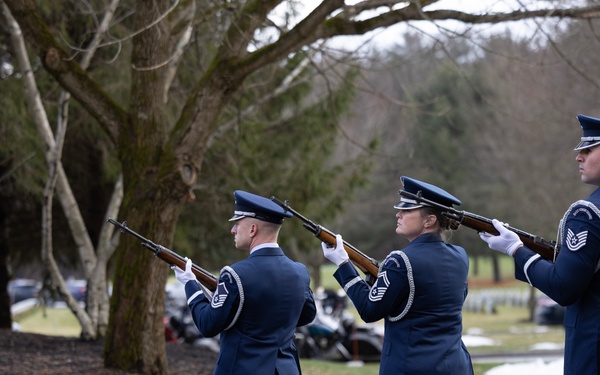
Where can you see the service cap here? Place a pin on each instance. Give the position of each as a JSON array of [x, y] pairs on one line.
[[261, 208], [591, 132], [425, 190]]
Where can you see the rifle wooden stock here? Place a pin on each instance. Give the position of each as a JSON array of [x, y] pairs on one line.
[[368, 265], [207, 279], [547, 249]]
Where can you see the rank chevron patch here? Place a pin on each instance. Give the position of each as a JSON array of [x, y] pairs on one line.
[[220, 296], [380, 287], [576, 241]]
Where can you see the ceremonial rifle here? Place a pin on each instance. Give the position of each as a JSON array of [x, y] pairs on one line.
[[363, 262], [547, 249], [206, 279]]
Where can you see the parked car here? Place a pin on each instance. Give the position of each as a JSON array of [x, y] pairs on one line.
[[548, 312], [22, 289], [77, 289]]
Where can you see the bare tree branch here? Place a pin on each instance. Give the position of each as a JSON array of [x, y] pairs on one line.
[[68, 73], [252, 15], [301, 34], [343, 25], [287, 82], [95, 272], [54, 167], [324, 23], [53, 161]]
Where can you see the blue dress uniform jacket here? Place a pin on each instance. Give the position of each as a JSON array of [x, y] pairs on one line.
[[573, 281], [256, 308], [419, 292]]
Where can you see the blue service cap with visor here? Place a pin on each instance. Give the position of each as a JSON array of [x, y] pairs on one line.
[[591, 132], [257, 207], [425, 190]]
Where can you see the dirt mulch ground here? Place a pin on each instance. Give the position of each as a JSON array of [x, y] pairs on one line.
[[28, 353]]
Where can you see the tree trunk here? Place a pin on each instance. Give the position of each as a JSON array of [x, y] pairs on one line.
[[531, 303], [151, 205], [5, 314], [131, 342], [496, 268]]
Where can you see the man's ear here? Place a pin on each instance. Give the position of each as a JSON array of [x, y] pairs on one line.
[[253, 229]]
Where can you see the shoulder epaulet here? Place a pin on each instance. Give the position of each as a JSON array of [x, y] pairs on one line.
[[228, 274], [581, 207], [411, 284]]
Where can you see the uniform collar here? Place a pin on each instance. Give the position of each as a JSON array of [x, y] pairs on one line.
[[264, 245], [427, 237]]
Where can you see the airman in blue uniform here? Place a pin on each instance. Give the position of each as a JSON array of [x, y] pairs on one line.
[[259, 301], [572, 280], [419, 291]]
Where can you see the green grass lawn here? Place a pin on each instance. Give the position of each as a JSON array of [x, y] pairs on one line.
[[510, 330], [50, 321], [313, 367], [481, 269], [310, 367]]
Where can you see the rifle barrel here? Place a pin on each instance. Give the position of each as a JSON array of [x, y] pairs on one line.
[[170, 257]]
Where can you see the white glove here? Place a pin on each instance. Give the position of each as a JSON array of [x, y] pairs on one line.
[[506, 242], [184, 276], [337, 254]]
